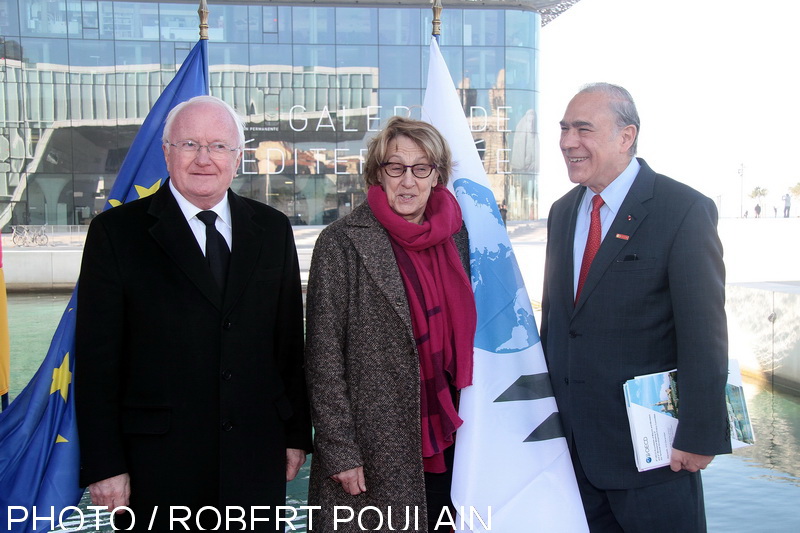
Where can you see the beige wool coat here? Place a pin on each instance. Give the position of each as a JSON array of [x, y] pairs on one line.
[[362, 369]]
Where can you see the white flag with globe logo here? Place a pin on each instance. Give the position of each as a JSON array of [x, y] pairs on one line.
[[512, 469]]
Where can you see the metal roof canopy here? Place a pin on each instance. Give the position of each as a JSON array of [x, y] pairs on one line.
[[549, 9]]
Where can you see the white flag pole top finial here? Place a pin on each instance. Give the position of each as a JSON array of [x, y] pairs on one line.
[[437, 18], [203, 12]]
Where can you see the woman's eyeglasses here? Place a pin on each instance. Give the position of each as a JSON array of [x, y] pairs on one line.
[[396, 170]]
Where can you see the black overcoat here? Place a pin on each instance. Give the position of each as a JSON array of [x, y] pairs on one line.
[[195, 394]]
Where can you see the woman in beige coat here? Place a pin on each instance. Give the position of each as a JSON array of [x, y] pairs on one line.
[[390, 327]]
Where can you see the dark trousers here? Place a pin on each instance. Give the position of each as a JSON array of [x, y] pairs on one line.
[[668, 507]]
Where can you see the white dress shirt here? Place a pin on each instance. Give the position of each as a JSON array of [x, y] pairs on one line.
[[613, 195], [223, 223]]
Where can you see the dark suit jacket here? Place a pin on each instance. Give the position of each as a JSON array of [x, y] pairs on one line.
[[663, 310], [195, 395]]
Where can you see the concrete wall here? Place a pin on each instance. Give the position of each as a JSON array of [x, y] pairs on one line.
[[764, 331], [41, 269]]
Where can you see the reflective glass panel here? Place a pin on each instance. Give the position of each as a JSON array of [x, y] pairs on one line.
[[313, 25], [316, 197], [522, 121], [50, 198], [356, 25], [75, 19], [137, 53], [44, 51], [452, 27], [10, 48], [254, 187], [89, 15], [228, 23], [312, 56], [356, 56], [400, 67], [522, 28], [482, 66], [89, 197], [46, 18], [280, 194], [105, 19], [89, 53], [133, 20], [404, 102], [520, 68], [179, 23], [9, 19], [399, 26], [484, 27]]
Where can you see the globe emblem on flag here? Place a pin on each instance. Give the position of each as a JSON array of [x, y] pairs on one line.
[[506, 323]]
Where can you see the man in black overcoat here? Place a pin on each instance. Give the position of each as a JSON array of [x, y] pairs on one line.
[[189, 383]]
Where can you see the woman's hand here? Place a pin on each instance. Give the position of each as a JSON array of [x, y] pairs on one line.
[[352, 481]]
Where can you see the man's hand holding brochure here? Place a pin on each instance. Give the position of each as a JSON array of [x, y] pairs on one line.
[[652, 402]]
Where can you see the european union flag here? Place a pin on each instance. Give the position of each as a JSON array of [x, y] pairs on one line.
[[39, 453]]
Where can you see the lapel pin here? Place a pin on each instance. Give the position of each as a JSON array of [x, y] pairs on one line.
[[623, 237], [630, 217]]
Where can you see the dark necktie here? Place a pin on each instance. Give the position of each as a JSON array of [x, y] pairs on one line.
[[217, 252], [592, 243]]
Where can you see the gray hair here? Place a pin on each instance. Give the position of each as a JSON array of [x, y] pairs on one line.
[[204, 99], [622, 106]]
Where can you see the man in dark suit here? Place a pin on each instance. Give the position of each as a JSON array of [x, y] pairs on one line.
[[651, 299], [189, 383]]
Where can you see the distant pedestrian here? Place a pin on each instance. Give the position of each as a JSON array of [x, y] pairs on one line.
[[787, 204], [503, 211], [757, 209], [775, 207]]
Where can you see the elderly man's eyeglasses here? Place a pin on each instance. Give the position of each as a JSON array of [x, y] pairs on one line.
[[215, 150], [395, 170]]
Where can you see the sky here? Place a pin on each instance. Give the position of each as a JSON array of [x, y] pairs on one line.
[[715, 83]]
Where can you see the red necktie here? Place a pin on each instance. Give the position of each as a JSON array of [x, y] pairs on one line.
[[592, 243]]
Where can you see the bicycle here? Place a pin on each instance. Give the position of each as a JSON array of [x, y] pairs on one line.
[[24, 236], [40, 236]]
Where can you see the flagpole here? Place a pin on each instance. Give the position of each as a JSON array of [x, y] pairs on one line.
[[437, 19], [203, 12]]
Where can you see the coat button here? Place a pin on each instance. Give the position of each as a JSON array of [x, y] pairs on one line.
[[226, 325], [572, 334], [566, 381], [226, 375], [227, 425]]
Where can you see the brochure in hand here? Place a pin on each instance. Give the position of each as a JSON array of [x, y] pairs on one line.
[[652, 402]]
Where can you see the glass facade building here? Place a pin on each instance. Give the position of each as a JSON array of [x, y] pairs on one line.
[[77, 78]]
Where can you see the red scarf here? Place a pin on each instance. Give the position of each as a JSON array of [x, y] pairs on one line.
[[442, 309]]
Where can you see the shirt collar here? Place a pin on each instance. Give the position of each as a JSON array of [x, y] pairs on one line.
[[616, 191], [189, 210]]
